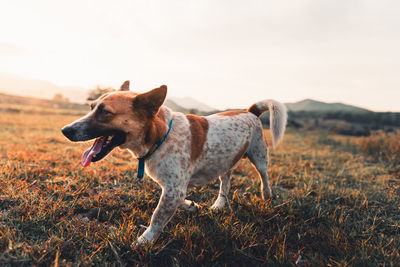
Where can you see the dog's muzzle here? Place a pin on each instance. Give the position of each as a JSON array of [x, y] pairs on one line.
[[69, 132], [79, 130]]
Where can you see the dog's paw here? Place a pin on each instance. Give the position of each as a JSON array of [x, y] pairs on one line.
[[146, 238], [190, 206], [218, 205], [141, 242]]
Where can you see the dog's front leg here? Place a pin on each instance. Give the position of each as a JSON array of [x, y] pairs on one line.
[[171, 198]]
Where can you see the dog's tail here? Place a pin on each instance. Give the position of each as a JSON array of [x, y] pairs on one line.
[[277, 117]]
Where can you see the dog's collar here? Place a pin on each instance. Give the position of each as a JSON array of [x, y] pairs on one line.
[[152, 149]]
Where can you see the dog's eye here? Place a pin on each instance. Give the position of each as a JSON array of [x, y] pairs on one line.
[[107, 112]]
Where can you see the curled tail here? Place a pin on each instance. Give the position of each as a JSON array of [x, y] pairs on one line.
[[277, 117]]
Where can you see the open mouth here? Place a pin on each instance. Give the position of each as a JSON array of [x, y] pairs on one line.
[[101, 147]]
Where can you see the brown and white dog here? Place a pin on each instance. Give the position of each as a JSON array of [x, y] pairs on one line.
[[196, 151]]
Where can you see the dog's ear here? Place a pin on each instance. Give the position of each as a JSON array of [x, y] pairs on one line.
[[151, 101], [124, 86]]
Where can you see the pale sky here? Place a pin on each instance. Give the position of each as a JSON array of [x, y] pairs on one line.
[[223, 53]]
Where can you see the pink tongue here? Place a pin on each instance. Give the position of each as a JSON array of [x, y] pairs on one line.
[[95, 149]]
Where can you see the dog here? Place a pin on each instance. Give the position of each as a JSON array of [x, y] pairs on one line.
[[177, 150]]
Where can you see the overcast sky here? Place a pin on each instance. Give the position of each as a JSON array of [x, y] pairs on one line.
[[223, 53]]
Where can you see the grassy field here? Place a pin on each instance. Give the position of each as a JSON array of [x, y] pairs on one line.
[[336, 202]]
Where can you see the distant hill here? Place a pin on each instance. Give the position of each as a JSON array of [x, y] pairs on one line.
[[32, 101], [14, 103], [313, 105], [32, 105], [175, 107], [191, 103], [14, 85], [17, 85]]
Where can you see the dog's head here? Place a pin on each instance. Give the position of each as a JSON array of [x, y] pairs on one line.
[[114, 119]]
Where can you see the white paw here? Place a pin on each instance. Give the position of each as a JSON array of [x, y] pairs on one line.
[[146, 238], [190, 206], [218, 204], [140, 242]]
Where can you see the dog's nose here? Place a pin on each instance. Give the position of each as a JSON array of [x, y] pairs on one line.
[[68, 131]]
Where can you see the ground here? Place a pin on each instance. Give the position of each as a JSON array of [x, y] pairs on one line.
[[332, 205]]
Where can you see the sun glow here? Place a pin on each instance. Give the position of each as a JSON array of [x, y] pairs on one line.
[[332, 51]]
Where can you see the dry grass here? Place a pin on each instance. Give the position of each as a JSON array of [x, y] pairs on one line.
[[383, 147], [332, 206]]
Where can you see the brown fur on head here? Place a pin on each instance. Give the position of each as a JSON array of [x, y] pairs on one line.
[[139, 115], [128, 111], [134, 117]]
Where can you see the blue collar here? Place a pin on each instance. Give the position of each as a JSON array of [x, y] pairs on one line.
[[152, 149]]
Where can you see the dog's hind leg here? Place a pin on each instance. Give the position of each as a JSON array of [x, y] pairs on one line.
[[258, 155], [189, 205], [225, 185]]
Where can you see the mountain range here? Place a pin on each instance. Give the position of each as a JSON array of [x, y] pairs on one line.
[[191, 103], [318, 106], [15, 85], [22, 86]]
